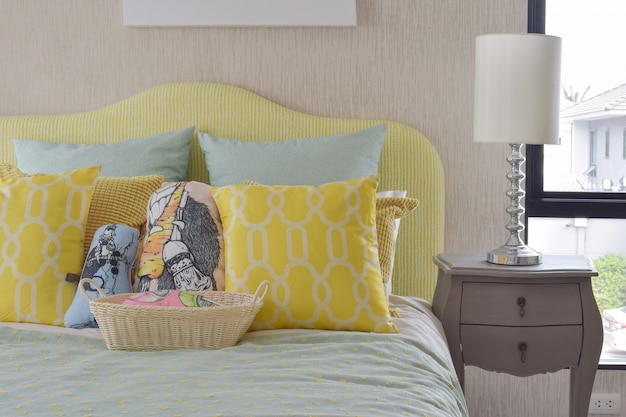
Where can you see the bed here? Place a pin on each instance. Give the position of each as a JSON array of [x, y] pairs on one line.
[[397, 363]]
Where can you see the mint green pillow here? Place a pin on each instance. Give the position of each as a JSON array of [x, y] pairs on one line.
[[311, 161], [165, 154]]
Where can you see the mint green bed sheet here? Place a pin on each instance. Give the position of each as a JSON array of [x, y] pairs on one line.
[[272, 374]]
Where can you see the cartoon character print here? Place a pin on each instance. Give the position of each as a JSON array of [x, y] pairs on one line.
[[105, 259], [182, 248]]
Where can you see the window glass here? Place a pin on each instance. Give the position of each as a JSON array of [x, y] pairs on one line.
[[576, 201], [602, 240], [593, 103]]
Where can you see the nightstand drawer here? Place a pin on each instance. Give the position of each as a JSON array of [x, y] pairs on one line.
[[520, 304], [521, 351]]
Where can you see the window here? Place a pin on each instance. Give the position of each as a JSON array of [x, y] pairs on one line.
[[593, 152], [576, 200], [593, 148]]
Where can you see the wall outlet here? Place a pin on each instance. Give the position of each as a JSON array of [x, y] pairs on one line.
[[604, 404]]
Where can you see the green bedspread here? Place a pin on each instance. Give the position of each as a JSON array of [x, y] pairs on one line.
[[291, 374]]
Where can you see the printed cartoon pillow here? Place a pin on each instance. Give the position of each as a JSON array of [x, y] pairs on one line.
[[183, 248], [109, 264]]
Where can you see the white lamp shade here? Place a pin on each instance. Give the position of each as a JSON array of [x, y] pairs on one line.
[[517, 88]]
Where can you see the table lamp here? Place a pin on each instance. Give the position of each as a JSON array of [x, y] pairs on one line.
[[516, 101]]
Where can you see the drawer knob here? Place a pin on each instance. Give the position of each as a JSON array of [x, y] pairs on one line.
[[521, 302], [522, 346]]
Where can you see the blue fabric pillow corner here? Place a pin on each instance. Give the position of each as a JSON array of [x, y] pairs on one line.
[[109, 263], [164, 154], [309, 161]]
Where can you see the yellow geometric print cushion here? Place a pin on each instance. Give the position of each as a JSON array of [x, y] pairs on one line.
[[120, 200], [42, 225], [388, 210], [316, 245]]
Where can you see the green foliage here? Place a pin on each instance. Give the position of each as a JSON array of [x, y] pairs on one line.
[[573, 96], [609, 287]]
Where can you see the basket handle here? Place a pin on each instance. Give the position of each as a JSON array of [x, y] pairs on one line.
[[93, 283], [261, 291]]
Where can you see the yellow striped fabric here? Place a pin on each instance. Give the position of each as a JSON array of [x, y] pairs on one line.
[[408, 162]]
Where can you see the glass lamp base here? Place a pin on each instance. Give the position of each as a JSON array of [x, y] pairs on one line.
[[514, 255]]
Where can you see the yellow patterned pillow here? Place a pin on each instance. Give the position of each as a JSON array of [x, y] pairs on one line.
[[316, 245], [121, 200], [42, 225], [388, 211]]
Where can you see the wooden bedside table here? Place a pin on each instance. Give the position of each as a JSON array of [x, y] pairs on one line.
[[522, 320]]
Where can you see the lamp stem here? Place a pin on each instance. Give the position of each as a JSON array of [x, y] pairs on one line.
[[515, 251], [515, 193]]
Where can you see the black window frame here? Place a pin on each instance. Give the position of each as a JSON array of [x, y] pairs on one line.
[[540, 203]]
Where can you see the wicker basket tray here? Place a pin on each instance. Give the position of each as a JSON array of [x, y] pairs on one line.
[[133, 327]]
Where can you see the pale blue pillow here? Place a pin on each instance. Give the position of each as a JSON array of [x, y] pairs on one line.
[[165, 154], [311, 161]]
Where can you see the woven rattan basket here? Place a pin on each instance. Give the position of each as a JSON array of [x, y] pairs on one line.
[[133, 327]]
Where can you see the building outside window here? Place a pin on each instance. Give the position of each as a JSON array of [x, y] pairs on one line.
[[576, 191], [593, 158]]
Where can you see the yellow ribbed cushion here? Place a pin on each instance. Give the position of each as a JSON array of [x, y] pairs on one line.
[[121, 200], [316, 245], [42, 225], [8, 171], [388, 209]]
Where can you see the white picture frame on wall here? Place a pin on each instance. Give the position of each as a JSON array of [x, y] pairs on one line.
[[137, 13]]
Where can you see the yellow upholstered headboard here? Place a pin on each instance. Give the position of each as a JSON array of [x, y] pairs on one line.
[[408, 162]]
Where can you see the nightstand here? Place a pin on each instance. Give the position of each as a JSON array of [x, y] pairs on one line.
[[522, 320]]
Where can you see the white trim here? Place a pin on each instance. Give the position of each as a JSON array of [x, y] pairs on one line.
[[239, 12]]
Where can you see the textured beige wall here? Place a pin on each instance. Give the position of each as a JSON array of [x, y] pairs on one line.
[[407, 60]]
